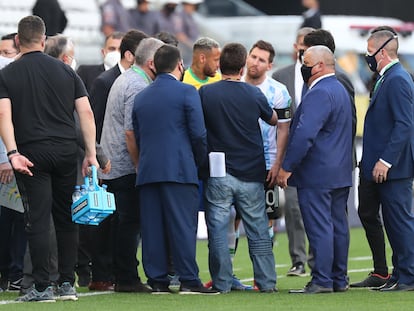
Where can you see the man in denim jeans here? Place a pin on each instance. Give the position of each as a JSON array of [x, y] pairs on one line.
[[231, 110]]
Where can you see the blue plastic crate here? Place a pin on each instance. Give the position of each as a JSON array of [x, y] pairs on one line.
[[94, 206]]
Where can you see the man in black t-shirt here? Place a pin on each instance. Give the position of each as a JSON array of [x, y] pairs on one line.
[[38, 95]]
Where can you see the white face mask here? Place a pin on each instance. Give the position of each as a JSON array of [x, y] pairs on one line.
[[4, 61], [73, 64], [112, 58]]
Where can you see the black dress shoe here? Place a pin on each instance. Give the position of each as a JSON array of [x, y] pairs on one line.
[[312, 288], [297, 270], [398, 288], [137, 287]]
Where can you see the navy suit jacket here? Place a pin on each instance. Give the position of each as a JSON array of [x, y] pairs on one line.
[[99, 95], [320, 142], [389, 125], [170, 132]]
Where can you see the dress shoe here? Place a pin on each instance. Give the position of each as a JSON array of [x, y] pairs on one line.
[[373, 280], [398, 288], [297, 270], [101, 286], [312, 288], [137, 287]]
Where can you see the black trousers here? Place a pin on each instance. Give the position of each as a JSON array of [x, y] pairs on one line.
[[369, 214], [49, 191]]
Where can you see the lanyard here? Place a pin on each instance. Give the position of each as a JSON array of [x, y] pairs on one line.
[[141, 73]]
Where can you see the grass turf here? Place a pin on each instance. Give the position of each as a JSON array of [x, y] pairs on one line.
[[355, 299]]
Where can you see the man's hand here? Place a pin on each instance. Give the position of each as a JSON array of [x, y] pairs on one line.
[[88, 161], [6, 173], [380, 172], [282, 178], [21, 164], [271, 177]]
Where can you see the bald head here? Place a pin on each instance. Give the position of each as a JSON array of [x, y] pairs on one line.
[[321, 61]]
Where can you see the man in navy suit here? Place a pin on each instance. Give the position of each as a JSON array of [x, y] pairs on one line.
[[387, 155], [171, 139], [319, 161]]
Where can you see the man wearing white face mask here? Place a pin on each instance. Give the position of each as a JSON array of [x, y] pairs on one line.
[[111, 56], [61, 47]]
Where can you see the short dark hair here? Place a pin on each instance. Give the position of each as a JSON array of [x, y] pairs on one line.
[[131, 40], [115, 35], [266, 46], [11, 36], [31, 29], [166, 58], [232, 58], [320, 37], [167, 37]]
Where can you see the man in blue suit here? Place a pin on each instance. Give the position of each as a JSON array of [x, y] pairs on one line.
[[171, 139], [319, 161], [387, 155]]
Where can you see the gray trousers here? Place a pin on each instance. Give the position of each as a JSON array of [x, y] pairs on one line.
[[295, 229]]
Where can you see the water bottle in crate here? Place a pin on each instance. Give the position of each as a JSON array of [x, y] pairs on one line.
[[95, 204]]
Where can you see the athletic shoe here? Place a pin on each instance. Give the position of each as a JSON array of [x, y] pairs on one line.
[[197, 290], [174, 280], [373, 280], [15, 285], [209, 284], [297, 270], [66, 292], [34, 295], [161, 290], [238, 285]]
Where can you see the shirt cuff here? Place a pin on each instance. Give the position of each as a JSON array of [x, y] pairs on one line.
[[386, 163]]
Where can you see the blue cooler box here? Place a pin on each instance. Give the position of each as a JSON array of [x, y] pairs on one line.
[[95, 205]]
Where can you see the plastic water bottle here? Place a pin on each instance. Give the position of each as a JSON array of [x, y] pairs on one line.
[[76, 194], [83, 190], [91, 186]]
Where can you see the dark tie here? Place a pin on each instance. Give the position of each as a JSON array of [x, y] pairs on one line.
[[305, 88]]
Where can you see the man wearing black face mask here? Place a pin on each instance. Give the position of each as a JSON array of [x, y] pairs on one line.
[[387, 163], [291, 76], [369, 214], [318, 162]]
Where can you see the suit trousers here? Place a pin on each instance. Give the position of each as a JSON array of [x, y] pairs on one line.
[[295, 229], [324, 213], [169, 213], [48, 192], [398, 216], [127, 231], [369, 214]]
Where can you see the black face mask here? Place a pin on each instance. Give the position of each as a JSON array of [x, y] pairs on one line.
[[370, 59], [169, 9], [306, 72]]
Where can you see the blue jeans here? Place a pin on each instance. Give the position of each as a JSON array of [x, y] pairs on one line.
[[220, 193]]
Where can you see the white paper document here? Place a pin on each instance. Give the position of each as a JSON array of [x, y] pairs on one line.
[[217, 161]]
